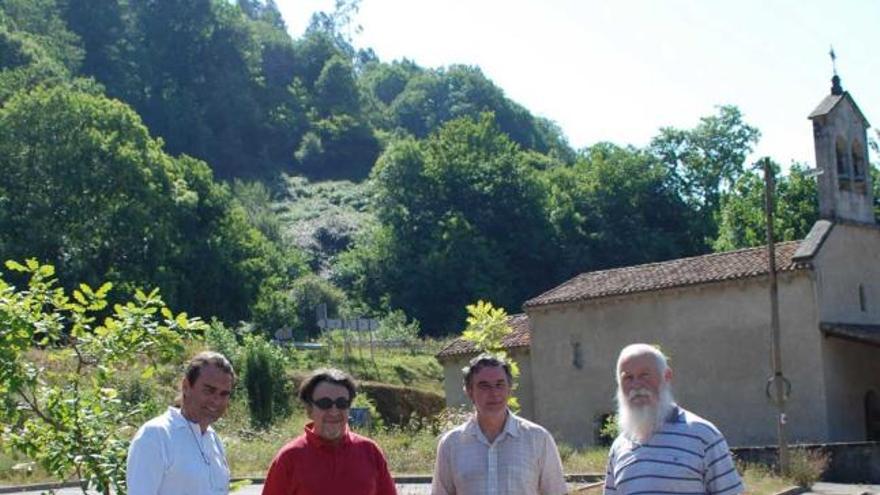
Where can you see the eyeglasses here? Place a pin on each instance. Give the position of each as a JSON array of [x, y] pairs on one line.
[[325, 403]]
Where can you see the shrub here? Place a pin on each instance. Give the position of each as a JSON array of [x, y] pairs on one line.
[[69, 417], [394, 327], [376, 422], [608, 429], [268, 392], [805, 466], [222, 339], [275, 309], [398, 405], [449, 418], [565, 451], [306, 293]]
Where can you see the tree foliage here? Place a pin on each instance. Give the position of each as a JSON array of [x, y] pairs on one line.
[[743, 219], [62, 407], [486, 328], [510, 222], [617, 206], [463, 202], [84, 186], [268, 392], [706, 161]]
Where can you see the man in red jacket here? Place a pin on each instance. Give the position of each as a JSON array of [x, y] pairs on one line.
[[328, 458]]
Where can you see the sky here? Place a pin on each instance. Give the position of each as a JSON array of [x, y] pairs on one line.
[[620, 70]]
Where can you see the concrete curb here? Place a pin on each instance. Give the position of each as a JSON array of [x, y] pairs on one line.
[[38, 487], [596, 485], [792, 490]]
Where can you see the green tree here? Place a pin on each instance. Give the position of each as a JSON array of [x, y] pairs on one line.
[[336, 91], [34, 47], [706, 161], [743, 219], [84, 186], [338, 147], [112, 52], [616, 207], [268, 392], [433, 97], [486, 328], [43, 22], [306, 293], [69, 417], [464, 202]]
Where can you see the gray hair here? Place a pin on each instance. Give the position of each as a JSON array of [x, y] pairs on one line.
[[486, 360], [633, 350]]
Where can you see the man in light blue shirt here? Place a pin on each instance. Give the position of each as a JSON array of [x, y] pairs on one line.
[[178, 451], [662, 448]]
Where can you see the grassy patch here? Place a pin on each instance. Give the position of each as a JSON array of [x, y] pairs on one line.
[[760, 479], [17, 470], [588, 460]]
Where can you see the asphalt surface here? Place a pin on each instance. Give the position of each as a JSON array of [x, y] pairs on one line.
[[822, 488]]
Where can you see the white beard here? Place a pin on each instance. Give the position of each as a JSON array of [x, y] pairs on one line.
[[641, 422]]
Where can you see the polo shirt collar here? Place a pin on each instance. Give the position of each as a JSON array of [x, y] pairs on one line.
[[674, 414]]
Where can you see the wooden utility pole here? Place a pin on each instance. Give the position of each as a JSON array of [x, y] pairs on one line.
[[777, 381]]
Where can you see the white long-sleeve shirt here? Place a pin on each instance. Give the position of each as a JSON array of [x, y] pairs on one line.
[[169, 455]]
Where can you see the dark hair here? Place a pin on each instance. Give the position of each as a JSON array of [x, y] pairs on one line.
[[205, 358], [486, 360], [329, 375]]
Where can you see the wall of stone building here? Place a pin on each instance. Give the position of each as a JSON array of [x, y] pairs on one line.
[[455, 396], [851, 370], [849, 258], [718, 338]]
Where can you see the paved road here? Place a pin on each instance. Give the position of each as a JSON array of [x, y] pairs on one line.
[[841, 489]]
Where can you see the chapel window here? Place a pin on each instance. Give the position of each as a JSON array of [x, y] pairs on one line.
[[841, 156]]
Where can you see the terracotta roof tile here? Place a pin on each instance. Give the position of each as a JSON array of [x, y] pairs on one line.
[[717, 267], [519, 337]]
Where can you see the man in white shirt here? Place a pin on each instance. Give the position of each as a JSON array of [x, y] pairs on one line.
[[178, 451], [496, 452]]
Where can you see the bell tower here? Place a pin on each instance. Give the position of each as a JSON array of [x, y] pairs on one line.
[[840, 138]]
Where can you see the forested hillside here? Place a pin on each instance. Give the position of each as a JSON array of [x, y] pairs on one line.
[[194, 146]]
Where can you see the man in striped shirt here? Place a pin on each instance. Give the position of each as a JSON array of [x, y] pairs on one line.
[[663, 448]]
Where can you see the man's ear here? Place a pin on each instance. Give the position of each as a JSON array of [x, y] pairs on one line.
[[184, 386], [667, 376]]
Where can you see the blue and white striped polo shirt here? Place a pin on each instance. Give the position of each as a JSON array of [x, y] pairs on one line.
[[687, 456]]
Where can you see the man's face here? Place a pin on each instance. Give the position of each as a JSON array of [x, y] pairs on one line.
[[640, 381], [489, 390], [329, 423], [206, 400]]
